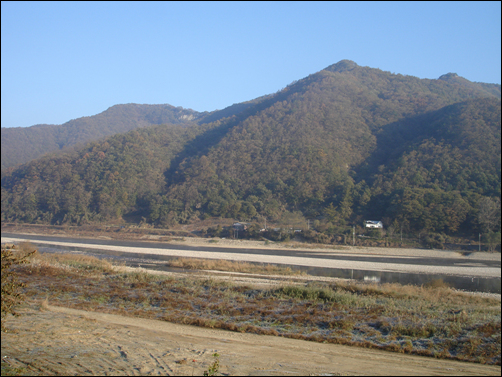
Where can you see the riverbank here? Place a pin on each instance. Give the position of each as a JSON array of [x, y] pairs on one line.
[[297, 326], [468, 264]]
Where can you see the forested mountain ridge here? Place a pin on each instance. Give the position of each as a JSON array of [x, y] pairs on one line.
[[343, 144], [480, 86], [20, 145], [436, 167]]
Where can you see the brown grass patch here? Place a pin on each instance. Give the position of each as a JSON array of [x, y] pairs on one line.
[[231, 266], [388, 316]]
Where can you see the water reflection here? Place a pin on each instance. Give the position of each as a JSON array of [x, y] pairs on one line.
[[155, 262], [467, 283]]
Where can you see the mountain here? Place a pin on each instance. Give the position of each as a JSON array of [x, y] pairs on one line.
[[20, 145], [343, 144], [479, 86], [430, 171]]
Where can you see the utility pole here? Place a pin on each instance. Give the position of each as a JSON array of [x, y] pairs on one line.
[[353, 236], [480, 242]]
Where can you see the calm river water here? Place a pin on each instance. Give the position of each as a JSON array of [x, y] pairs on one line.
[[158, 262]]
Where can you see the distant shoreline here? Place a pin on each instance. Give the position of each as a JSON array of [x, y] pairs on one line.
[[464, 270]]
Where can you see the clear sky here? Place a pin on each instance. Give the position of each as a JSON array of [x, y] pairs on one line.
[[65, 60]]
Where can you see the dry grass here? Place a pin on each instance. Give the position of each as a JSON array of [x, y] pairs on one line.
[[431, 321], [75, 261], [232, 266], [304, 245]]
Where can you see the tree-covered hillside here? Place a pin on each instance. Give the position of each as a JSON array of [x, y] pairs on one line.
[[345, 144], [431, 171], [101, 181], [20, 145]]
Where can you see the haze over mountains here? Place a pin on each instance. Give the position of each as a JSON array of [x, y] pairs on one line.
[[343, 144]]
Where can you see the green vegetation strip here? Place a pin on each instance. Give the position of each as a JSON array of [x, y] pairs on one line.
[[432, 321]]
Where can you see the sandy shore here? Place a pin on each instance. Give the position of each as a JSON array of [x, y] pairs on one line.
[[466, 268]]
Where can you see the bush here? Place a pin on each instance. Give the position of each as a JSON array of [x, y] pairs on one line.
[[11, 295], [307, 293], [316, 237], [375, 233], [435, 241], [493, 240]]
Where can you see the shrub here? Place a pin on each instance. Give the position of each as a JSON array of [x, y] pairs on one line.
[[435, 241], [11, 295], [307, 293], [437, 283], [375, 233], [214, 367]]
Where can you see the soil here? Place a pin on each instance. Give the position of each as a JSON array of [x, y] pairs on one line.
[[50, 340]]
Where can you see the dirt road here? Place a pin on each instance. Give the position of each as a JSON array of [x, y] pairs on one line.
[[57, 340]]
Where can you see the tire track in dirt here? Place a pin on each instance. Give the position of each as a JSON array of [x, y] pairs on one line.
[[75, 342]]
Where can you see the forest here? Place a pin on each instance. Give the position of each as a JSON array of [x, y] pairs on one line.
[[341, 146], [21, 145]]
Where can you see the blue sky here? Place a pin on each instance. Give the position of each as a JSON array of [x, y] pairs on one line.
[[65, 60]]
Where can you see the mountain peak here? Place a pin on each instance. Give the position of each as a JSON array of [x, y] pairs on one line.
[[448, 76], [342, 66]]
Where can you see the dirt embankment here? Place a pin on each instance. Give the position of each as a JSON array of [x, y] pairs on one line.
[[54, 340]]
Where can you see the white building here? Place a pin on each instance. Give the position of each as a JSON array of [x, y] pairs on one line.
[[373, 224]]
